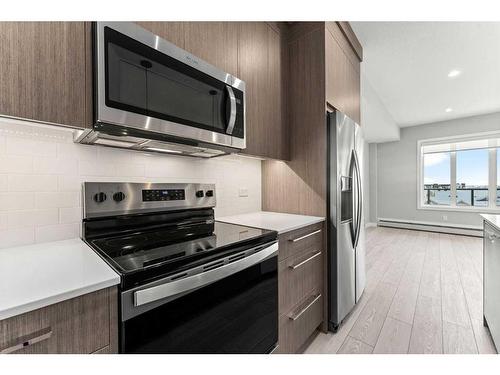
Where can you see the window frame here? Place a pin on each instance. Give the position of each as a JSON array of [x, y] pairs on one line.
[[492, 175]]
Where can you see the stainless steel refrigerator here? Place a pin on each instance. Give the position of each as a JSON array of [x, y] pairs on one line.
[[345, 231]]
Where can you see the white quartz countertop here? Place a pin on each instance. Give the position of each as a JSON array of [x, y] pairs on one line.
[[279, 222], [492, 219], [39, 275]]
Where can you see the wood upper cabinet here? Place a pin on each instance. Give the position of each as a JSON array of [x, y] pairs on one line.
[[214, 42], [342, 74], [260, 66], [171, 31], [43, 71]]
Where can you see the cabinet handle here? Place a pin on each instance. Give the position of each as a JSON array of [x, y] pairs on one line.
[[295, 316], [492, 237], [305, 236], [295, 266], [275, 349], [25, 341]]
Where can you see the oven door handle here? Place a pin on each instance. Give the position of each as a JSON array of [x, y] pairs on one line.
[[158, 292]]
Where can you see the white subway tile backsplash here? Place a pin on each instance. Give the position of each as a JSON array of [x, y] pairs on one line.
[[23, 182], [114, 155], [3, 222], [131, 170], [2, 144], [17, 237], [4, 182], [16, 164], [16, 201], [57, 199], [66, 166], [42, 171], [24, 146], [33, 217], [69, 183], [77, 151], [57, 232], [94, 168], [70, 215]]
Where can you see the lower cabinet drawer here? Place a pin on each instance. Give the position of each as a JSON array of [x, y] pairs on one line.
[[299, 275], [78, 325], [300, 240], [298, 325]]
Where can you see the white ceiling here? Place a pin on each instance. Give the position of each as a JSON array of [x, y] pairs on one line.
[[407, 64]]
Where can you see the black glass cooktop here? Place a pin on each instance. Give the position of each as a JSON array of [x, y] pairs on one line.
[[146, 254]]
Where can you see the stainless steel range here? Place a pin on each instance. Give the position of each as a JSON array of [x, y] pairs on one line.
[[189, 284]]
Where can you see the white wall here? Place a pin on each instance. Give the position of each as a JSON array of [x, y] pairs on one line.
[[397, 170], [372, 177], [41, 172], [378, 124]]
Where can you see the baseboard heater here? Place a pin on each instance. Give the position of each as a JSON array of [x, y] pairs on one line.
[[431, 227]]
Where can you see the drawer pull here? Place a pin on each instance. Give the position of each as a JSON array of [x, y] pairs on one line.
[[28, 340], [295, 266], [305, 236], [295, 316]]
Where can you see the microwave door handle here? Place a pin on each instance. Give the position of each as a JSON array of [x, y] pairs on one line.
[[232, 111]]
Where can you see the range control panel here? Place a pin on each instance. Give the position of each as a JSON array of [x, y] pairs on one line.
[[163, 195], [119, 198]]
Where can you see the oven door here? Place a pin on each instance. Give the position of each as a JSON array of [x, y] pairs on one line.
[[147, 84], [229, 309]]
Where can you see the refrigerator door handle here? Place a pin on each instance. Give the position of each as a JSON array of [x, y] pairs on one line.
[[359, 198], [353, 224]]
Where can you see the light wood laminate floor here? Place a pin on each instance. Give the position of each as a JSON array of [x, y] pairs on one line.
[[423, 295]]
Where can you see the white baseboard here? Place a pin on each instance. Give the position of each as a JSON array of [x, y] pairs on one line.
[[369, 225], [467, 230]]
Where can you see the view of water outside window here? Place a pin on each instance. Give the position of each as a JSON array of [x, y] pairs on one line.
[[437, 179], [472, 178]]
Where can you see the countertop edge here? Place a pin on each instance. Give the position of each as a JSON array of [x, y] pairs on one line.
[[487, 219], [311, 221], [61, 297]]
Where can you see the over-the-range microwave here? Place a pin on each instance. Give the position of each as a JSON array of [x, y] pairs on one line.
[[151, 95]]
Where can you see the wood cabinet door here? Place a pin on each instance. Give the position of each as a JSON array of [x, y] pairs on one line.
[[80, 325], [214, 42], [43, 71], [260, 66], [277, 135], [342, 78], [253, 69], [171, 31], [337, 88]]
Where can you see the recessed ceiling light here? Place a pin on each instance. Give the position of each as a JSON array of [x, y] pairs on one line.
[[448, 109], [454, 73]]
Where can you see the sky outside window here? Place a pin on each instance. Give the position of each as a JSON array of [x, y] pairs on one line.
[[437, 168], [472, 167], [437, 171], [472, 172]]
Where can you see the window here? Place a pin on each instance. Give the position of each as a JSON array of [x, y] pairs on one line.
[[437, 179], [460, 173], [472, 178]]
